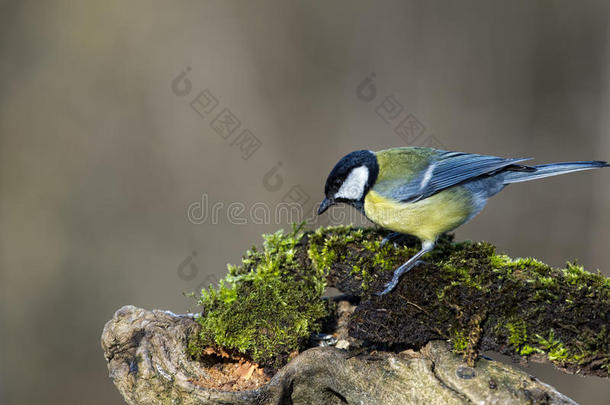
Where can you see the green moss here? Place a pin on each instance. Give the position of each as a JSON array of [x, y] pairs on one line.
[[522, 298], [527, 350], [573, 282], [459, 339], [517, 333], [358, 246], [518, 339], [554, 349], [267, 306]]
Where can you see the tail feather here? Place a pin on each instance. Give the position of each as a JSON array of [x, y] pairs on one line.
[[552, 169]]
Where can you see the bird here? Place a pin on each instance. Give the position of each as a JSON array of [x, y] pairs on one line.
[[426, 192]]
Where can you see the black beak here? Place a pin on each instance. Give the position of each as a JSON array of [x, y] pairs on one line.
[[324, 205]]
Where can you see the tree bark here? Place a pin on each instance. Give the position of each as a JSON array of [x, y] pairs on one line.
[[465, 298], [148, 362]]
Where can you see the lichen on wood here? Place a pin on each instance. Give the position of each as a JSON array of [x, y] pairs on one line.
[[465, 293]]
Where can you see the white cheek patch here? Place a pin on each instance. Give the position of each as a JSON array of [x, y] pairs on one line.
[[353, 186]]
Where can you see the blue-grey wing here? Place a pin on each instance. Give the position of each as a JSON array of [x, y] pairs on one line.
[[448, 169]]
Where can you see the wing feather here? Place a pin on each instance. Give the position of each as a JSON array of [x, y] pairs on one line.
[[446, 169]]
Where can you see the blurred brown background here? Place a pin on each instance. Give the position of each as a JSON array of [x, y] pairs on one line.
[[100, 158]]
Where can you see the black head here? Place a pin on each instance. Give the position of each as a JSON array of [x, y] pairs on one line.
[[350, 180]]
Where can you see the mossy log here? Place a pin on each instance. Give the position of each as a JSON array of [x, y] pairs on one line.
[[465, 297], [475, 298], [148, 362]]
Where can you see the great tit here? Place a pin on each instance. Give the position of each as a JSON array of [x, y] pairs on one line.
[[426, 192]]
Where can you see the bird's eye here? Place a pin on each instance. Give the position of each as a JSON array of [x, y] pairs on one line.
[[338, 182]]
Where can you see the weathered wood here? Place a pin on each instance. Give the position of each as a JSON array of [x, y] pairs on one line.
[[148, 362], [463, 299]]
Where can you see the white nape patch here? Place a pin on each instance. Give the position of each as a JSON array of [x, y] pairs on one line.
[[427, 176], [353, 186]]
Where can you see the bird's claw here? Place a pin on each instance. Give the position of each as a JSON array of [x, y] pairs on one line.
[[386, 290], [394, 237], [390, 285]]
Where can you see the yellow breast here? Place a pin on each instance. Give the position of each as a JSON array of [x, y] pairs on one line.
[[427, 218]]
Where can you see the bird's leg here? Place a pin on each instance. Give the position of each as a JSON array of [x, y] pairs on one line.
[[394, 237], [408, 265]]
